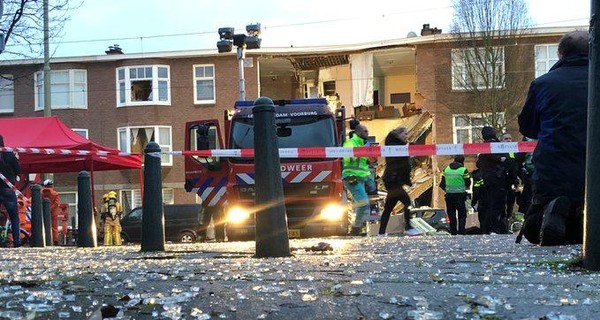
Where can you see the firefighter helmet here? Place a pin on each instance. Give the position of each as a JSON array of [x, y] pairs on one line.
[[112, 194]]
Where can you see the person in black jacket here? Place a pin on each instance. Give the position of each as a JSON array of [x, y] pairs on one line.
[[395, 176], [10, 168], [555, 113], [495, 174]]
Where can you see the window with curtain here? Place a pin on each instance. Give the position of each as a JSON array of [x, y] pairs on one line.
[[135, 139]]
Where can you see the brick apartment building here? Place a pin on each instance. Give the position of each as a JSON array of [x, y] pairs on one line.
[[126, 100]]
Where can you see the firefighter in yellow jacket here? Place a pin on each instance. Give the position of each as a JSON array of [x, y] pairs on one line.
[[111, 216]]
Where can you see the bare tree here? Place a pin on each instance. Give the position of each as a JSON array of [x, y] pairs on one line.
[[23, 27], [486, 59]]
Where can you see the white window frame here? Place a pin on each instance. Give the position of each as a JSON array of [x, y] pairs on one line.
[[459, 70], [38, 85], [204, 78], [82, 132], [124, 86], [7, 94], [469, 126], [135, 195], [166, 159], [546, 55]]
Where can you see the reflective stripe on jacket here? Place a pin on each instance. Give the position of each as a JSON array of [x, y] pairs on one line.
[[455, 179], [355, 166]]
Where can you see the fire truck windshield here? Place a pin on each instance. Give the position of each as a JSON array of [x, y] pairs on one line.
[[299, 132]]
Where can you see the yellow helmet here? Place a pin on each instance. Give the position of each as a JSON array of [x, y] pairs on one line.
[[112, 194], [105, 196]]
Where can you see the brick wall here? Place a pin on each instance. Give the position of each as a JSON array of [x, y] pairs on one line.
[[102, 117]]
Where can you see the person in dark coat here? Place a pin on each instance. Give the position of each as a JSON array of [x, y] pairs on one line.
[[494, 172], [10, 168], [555, 113], [395, 176]]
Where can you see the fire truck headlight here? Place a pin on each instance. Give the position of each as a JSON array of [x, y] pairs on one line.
[[332, 212], [237, 215]]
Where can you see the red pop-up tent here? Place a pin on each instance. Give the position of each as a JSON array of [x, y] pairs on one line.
[[51, 133]]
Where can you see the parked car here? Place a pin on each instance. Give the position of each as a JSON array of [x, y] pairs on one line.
[[183, 223]]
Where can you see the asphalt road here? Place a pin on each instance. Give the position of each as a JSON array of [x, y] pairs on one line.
[[424, 277]]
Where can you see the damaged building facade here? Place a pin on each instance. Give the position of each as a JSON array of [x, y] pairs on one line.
[[125, 100]]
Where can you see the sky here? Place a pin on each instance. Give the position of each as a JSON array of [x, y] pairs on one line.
[[142, 26]]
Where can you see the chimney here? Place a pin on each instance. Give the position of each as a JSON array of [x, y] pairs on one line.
[[429, 31], [114, 49]]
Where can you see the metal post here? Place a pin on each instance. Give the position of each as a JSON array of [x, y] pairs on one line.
[[37, 220], [86, 231], [47, 89], [47, 221], [241, 55], [153, 227], [591, 236], [271, 221]]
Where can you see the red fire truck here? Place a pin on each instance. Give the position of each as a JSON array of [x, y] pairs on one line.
[[315, 199]]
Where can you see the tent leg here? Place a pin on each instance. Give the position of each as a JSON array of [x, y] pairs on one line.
[[141, 179]]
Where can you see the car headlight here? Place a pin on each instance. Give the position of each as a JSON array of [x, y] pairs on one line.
[[237, 215], [332, 212]]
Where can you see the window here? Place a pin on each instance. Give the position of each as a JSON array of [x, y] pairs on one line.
[[70, 198], [329, 88], [7, 94], [204, 84], [135, 139], [131, 199], [546, 56], [68, 89], [466, 128], [81, 132], [143, 85], [477, 68]]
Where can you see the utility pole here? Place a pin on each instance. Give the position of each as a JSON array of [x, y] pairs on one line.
[[1, 34], [47, 89], [591, 236]]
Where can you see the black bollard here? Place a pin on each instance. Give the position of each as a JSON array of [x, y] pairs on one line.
[[47, 221], [37, 219], [153, 227], [591, 236], [271, 221], [86, 230]]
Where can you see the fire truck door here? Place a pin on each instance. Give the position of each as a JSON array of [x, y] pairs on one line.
[[207, 176]]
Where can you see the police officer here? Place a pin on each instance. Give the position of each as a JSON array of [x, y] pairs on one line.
[[357, 179], [111, 216], [455, 182]]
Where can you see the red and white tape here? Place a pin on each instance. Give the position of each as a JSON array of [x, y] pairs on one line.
[[10, 185], [377, 151], [330, 152], [63, 151]]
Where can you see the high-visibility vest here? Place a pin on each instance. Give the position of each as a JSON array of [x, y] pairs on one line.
[[455, 179], [355, 166]]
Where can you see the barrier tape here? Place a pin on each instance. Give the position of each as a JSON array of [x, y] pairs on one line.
[[64, 151], [330, 152], [12, 186], [377, 151]]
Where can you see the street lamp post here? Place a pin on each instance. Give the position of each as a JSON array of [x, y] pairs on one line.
[[242, 41]]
